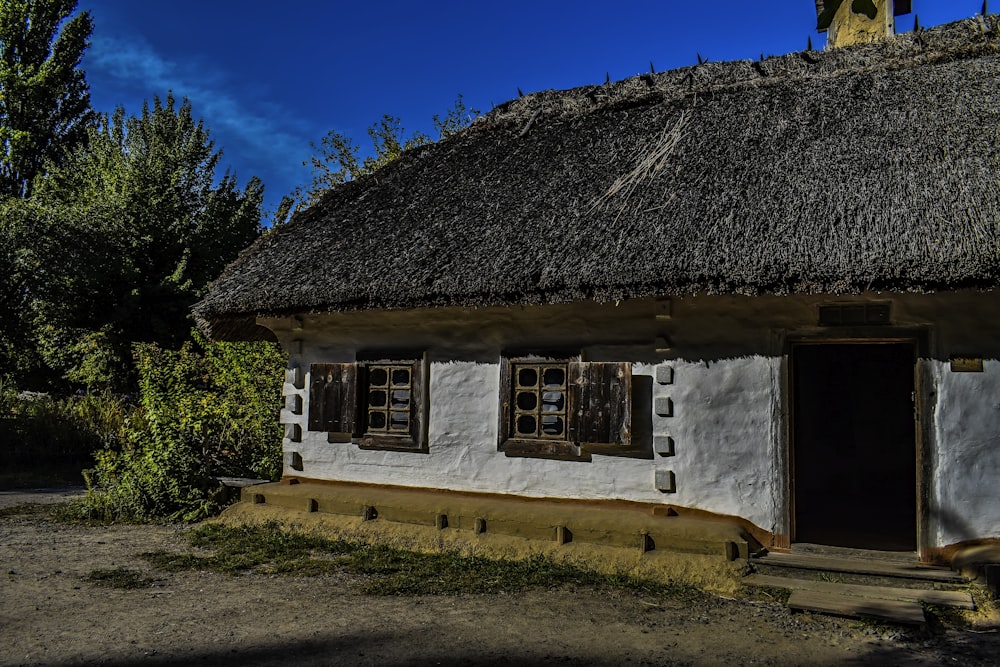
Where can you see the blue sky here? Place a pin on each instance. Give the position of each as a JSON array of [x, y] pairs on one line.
[[269, 77]]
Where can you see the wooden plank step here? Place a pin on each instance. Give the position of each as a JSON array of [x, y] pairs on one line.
[[906, 570], [894, 611], [239, 482], [956, 599]]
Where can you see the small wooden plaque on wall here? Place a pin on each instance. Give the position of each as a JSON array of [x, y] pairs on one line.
[[966, 364]]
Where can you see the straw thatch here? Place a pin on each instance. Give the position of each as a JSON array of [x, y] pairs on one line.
[[869, 168]]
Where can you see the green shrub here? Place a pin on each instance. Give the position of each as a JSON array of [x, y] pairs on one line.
[[206, 410], [56, 437]]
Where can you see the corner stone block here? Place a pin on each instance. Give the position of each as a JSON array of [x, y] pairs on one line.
[[663, 406], [294, 384], [293, 432], [293, 403], [295, 378], [293, 460], [664, 374], [665, 481], [288, 417], [663, 445]]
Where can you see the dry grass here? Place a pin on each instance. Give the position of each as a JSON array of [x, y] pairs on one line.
[[695, 571]]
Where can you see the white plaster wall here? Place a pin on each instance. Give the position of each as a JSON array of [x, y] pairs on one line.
[[721, 426], [724, 438], [965, 499], [728, 391], [963, 427], [722, 423]]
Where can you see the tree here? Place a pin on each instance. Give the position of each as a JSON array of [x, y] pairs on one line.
[[15, 357], [337, 158], [44, 98], [122, 238]]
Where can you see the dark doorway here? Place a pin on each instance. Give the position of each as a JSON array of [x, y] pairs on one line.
[[854, 450]]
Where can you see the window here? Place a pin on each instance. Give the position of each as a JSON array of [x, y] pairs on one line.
[[540, 401], [380, 403], [561, 408]]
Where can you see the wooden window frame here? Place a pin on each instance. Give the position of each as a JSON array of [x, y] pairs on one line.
[[340, 395], [597, 409]]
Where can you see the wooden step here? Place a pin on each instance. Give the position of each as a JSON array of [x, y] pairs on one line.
[[881, 568], [956, 599], [894, 611]]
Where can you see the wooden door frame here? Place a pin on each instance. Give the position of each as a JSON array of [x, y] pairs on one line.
[[919, 339]]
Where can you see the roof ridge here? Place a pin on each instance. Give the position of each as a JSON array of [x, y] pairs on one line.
[[945, 43]]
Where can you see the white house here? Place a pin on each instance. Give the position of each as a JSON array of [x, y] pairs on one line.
[[759, 291]]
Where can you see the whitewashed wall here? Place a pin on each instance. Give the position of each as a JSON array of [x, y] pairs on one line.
[[965, 490], [963, 420], [720, 362]]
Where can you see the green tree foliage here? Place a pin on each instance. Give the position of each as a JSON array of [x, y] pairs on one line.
[[12, 332], [207, 409], [337, 159], [118, 242], [44, 98]]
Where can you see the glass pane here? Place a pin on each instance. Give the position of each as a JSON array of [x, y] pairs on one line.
[[553, 401], [527, 377], [552, 425], [400, 377], [400, 398], [526, 425], [554, 377], [378, 377], [399, 421], [527, 400], [376, 398], [376, 420]]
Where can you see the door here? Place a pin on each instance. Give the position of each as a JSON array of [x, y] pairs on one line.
[[854, 445]]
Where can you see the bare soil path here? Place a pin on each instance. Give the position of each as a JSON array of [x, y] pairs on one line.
[[50, 614]]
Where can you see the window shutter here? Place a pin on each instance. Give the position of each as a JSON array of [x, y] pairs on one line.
[[505, 427], [333, 398], [417, 404], [600, 402]]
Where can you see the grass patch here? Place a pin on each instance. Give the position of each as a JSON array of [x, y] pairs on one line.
[[119, 577], [268, 548], [72, 512], [26, 510], [768, 593]]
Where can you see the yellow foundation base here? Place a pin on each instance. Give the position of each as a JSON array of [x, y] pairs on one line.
[[610, 537]]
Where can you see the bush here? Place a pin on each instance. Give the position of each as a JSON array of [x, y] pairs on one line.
[[55, 438], [206, 410]]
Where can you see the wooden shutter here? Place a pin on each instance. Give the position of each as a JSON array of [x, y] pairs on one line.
[[333, 398], [505, 427], [600, 403], [417, 404]]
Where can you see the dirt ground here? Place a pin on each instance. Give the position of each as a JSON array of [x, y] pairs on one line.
[[51, 615]]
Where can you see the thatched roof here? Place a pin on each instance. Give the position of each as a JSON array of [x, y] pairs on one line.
[[873, 167]]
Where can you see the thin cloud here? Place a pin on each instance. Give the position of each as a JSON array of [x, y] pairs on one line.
[[130, 61], [251, 133]]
